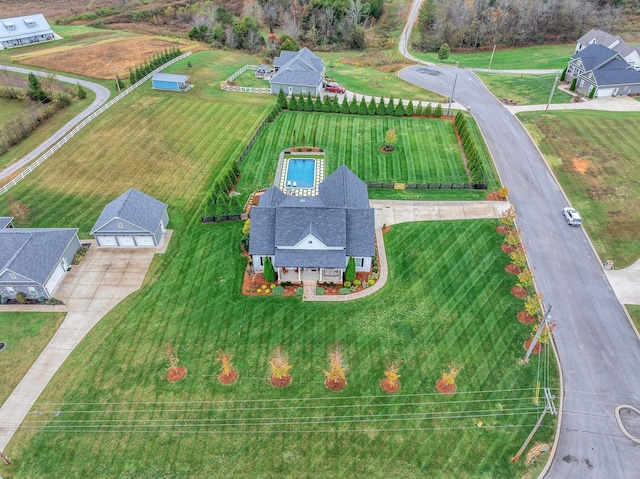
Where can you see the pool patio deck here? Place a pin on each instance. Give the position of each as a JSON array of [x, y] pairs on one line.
[[281, 174]]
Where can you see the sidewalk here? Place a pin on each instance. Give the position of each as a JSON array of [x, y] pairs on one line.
[[626, 283]]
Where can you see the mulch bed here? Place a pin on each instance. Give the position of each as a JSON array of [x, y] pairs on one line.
[[444, 387], [382, 150], [386, 230], [513, 269], [537, 349], [495, 196], [502, 229], [507, 248], [335, 384], [519, 292], [526, 318], [281, 382], [228, 378], [176, 374], [389, 387]]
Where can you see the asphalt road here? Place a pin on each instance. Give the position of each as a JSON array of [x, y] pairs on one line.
[[102, 95], [597, 347]]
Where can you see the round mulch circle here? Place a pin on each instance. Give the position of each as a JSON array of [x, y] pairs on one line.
[[507, 248], [389, 387], [444, 387], [176, 374], [537, 349], [382, 150], [503, 229], [335, 384], [513, 269], [2, 345], [386, 230], [228, 378], [526, 318], [280, 382], [519, 292]]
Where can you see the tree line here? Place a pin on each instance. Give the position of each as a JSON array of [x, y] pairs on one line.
[[140, 71], [476, 24]]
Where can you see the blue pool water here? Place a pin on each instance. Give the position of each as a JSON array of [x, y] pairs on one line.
[[300, 173]]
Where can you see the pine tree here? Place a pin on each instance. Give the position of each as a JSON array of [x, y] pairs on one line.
[[371, 109], [399, 109], [132, 76], [437, 112], [409, 110], [353, 106], [381, 109], [335, 105], [293, 103], [391, 107], [327, 107], [573, 84], [564, 74], [317, 105], [350, 272], [428, 110], [308, 104], [344, 107], [419, 109], [81, 94], [362, 108], [269, 272], [282, 100]]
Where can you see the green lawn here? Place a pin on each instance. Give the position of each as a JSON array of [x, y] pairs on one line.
[[524, 89], [110, 411], [539, 57], [447, 303], [26, 335], [427, 150], [599, 173], [634, 312], [11, 108]]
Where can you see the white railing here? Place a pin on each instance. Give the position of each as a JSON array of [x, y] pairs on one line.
[[241, 71], [244, 89], [85, 122]]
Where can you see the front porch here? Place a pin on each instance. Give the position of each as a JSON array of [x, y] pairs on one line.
[[298, 275]]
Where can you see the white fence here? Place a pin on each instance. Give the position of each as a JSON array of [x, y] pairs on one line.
[[243, 89], [85, 122]]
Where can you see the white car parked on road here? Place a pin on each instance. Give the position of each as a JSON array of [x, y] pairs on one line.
[[572, 216]]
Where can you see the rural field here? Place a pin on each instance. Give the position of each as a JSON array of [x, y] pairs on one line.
[[600, 176], [110, 411]]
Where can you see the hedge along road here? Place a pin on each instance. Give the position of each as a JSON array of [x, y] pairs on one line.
[[598, 349], [102, 95]]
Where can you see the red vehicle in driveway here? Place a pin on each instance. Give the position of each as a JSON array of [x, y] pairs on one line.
[[333, 88]]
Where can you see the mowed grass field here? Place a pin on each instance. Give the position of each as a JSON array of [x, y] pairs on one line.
[[110, 411], [539, 57], [598, 171], [427, 150], [524, 89], [26, 335]]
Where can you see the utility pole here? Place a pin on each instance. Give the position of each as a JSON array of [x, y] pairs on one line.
[[5, 459], [491, 59], [115, 75], [543, 325], [451, 97], [550, 407], [553, 89]]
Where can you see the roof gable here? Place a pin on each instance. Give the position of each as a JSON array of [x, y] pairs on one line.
[[303, 68], [5, 221], [343, 188], [134, 207], [594, 56], [599, 37], [616, 72]]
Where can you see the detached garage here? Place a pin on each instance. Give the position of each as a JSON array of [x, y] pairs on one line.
[[167, 81], [133, 220]]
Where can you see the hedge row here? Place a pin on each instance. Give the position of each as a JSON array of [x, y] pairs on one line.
[[140, 71], [219, 202], [474, 160], [333, 105]]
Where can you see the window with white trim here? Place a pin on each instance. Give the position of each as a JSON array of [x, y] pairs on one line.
[[359, 262], [32, 291], [10, 290], [581, 83]]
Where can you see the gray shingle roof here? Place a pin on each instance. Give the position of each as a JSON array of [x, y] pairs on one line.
[[616, 72], [33, 252], [298, 68], [21, 29], [595, 55], [601, 37], [340, 217], [5, 221], [133, 207]]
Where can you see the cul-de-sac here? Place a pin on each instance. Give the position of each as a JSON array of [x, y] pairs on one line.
[[326, 238]]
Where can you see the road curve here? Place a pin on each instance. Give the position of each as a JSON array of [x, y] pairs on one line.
[[102, 95], [597, 346]]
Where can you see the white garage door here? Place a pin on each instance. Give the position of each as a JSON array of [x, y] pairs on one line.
[[55, 278], [144, 240], [107, 241], [125, 241]]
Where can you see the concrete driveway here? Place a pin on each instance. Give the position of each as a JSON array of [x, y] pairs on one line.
[[104, 278], [626, 283]]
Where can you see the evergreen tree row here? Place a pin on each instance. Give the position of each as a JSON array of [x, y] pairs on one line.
[[355, 107], [474, 160], [140, 71], [219, 202]]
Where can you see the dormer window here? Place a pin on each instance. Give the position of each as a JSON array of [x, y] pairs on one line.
[[30, 22], [10, 25]]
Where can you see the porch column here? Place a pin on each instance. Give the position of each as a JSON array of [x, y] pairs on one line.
[[321, 275]]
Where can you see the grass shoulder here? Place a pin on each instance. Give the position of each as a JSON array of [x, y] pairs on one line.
[[524, 89], [634, 312]]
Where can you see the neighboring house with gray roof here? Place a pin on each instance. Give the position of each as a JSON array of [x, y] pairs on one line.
[[603, 69], [312, 237], [18, 31], [132, 220], [298, 72], [33, 261], [628, 53]]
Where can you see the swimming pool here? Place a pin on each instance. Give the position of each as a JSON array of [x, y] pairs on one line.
[[300, 173]]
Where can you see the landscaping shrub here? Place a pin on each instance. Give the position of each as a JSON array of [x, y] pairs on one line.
[[21, 298], [419, 109], [409, 109], [350, 272], [3, 300], [437, 111], [347, 284], [371, 109], [573, 84], [282, 99], [319, 291], [299, 291], [156, 61], [344, 291], [81, 93], [399, 109], [564, 74], [381, 108], [278, 291], [269, 272], [357, 282], [371, 282], [391, 107], [427, 110]]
